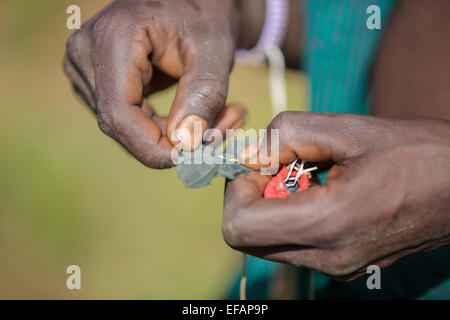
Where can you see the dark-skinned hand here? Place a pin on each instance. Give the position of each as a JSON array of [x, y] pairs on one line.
[[131, 49], [387, 194]]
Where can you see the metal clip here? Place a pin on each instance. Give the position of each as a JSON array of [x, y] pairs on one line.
[[290, 182]]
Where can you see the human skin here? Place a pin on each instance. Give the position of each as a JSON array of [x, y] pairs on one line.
[[411, 74], [251, 22], [131, 49], [387, 194]]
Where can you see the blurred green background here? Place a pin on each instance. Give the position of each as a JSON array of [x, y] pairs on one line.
[[70, 195]]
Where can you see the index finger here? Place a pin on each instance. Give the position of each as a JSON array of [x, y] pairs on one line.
[[122, 71], [252, 221], [202, 90]]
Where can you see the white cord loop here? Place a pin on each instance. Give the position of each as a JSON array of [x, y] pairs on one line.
[[291, 181]]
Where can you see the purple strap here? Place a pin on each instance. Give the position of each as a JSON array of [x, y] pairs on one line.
[[273, 33]]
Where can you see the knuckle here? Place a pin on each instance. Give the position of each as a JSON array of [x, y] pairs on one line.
[[208, 100], [281, 119], [152, 160], [232, 232], [281, 124], [98, 25], [155, 162], [341, 263], [113, 125], [67, 68], [109, 20], [212, 95], [77, 46], [73, 42], [294, 262], [276, 122], [105, 124], [228, 232]]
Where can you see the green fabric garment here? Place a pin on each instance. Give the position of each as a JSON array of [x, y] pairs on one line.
[[339, 51]]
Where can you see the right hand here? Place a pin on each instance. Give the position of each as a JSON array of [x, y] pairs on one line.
[[131, 49], [386, 196]]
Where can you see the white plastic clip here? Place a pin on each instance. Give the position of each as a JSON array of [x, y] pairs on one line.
[[291, 181]]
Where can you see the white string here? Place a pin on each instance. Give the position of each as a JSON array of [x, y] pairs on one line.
[[290, 170], [242, 287], [277, 83], [278, 97], [291, 181]]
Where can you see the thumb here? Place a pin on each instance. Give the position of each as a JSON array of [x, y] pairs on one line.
[[308, 136], [202, 89]]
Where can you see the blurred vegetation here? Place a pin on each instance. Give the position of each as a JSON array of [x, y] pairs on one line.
[[70, 195]]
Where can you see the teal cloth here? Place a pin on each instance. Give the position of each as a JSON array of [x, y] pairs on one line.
[[196, 171], [339, 53]]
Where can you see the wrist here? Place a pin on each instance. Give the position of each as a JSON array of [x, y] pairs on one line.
[[251, 21]]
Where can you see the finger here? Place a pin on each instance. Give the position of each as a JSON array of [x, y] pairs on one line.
[[207, 59], [271, 229], [231, 118], [122, 70], [81, 87], [252, 221], [299, 256], [331, 263], [308, 136], [160, 121], [78, 52]]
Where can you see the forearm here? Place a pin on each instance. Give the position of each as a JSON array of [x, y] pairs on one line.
[[412, 70], [252, 16]]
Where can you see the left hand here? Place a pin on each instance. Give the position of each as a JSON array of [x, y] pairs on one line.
[[131, 49], [387, 194]]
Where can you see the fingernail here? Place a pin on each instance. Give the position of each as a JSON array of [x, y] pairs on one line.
[[249, 153], [190, 132]]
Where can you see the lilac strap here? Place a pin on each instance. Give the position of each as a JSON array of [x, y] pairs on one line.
[[273, 33]]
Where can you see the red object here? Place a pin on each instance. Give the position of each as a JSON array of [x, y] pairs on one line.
[[276, 188]]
